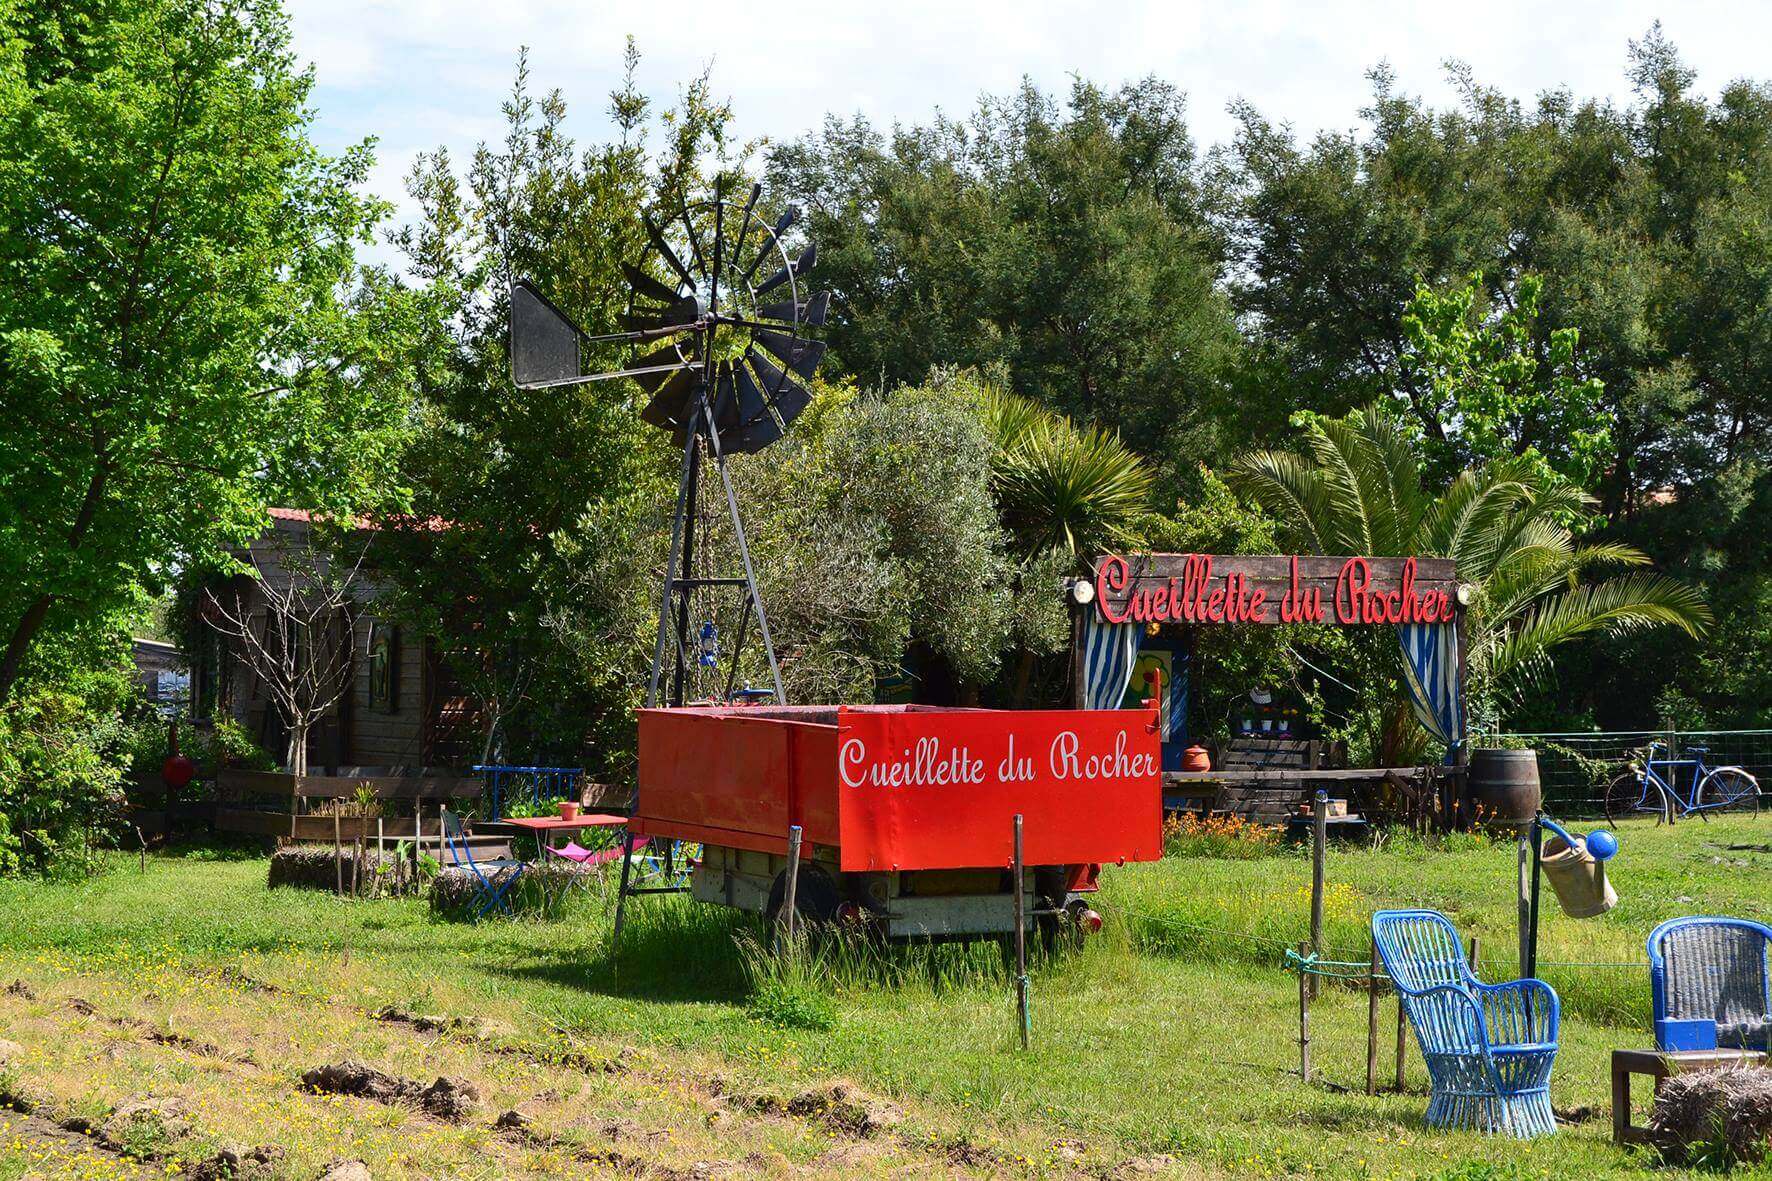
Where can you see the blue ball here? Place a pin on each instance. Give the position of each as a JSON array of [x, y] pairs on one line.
[[1601, 844]]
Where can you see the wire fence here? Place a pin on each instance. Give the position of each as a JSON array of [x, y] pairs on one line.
[[1574, 768]]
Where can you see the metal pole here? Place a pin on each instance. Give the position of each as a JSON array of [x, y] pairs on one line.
[[338, 854], [1372, 1024], [670, 578], [1402, 1036], [790, 896], [750, 576], [1523, 902], [1319, 853], [1304, 1014], [1021, 946], [1531, 967], [621, 893]]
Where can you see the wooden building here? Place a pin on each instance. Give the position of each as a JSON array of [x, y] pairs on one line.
[[403, 709]]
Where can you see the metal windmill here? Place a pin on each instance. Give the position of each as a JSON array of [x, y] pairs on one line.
[[724, 327]]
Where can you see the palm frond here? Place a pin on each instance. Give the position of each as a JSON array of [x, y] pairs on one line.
[[1292, 490], [1616, 605]]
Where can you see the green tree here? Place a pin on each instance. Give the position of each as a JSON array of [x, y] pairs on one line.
[[1356, 488], [529, 553], [184, 337], [1066, 244], [1483, 391]]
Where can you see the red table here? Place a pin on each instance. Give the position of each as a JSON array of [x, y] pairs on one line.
[[543, 826]]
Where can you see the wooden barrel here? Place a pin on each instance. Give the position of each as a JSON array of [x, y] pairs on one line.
[[1504, 792]]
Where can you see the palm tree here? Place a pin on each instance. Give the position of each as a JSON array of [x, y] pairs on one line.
[[1064, 492], [1057, 484], [1356, 489]]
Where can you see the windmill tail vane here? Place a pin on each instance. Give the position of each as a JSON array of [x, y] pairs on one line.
[[716, 321]]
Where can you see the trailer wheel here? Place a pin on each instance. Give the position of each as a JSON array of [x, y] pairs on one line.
[[815, 896]]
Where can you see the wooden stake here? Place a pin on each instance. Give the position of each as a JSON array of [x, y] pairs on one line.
[[338, 855], [1319, 854], [1023, 1018], [378, 854], [1304, 1017], [1372, 1024], [1402, 1036], [1476, 954], [789, 898], [1524, 904]]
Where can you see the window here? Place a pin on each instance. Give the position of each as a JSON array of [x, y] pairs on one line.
[[384, 667]]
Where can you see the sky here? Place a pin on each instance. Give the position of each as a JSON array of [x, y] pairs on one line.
[[417, 74]]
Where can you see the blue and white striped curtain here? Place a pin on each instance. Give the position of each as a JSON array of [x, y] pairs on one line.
[[1430, 669], [1109, 650]]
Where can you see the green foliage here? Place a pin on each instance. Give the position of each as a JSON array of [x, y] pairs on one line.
[[185, 336], [1485, 393], [1061, 486], [1649, 223], [1357, 489], [1064, 242], [62, 752], [876, 530], [556, 500]]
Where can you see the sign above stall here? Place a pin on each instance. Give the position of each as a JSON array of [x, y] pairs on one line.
[[1241, 588]]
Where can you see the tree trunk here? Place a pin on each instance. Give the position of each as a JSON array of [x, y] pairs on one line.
[[297, 757], [1024, 674], [20, 642]]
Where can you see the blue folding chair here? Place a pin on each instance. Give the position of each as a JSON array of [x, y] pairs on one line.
[[1709, 982], [1488, 1047], [492, 889]]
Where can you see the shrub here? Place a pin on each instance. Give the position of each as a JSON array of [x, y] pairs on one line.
[[61, 773]]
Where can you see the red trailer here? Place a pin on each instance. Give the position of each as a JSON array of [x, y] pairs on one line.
[[907, 812]]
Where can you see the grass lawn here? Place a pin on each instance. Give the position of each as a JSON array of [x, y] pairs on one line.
[[1167, 1047]]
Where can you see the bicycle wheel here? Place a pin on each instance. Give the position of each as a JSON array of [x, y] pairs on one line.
[[1624, 797], [1729, 789]]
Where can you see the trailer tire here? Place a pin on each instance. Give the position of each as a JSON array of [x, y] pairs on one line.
[[815, 896]]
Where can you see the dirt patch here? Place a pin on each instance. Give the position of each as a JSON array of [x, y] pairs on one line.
[[146, 1124], [150, 1032], [451, 1099], [840, 1106], [236, 1162], [424, 1022], [20, 989], [60, 1145]]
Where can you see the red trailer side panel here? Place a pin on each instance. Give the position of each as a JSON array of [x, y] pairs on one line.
[[736, 771], [940, 789]]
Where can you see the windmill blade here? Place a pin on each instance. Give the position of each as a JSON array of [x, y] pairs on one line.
[[644, 284], [811, 313], [653, 370], [544, 340], [781, 227], [669, 406], [744, 224], [751, 403], [679, 313], [807, 260], [789, 397], [801, 356], [663, 248], [725, 407], [753, 438]]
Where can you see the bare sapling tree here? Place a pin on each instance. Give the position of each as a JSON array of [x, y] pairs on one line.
[[292, 623]]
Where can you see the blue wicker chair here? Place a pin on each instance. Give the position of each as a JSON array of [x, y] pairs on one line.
[[1709, 982], [1488, 1047]]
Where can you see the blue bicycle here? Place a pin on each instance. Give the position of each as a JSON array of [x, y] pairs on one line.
[[1669, 787]]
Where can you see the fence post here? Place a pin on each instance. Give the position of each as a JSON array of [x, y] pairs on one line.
[[1319, 843], [1304, 1013], [1524, 903], [338, 854], [1402, 1035], [1372, 1024], [790, 896], [1021, 948]]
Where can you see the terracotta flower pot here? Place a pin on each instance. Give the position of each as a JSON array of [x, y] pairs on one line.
[[1195, 758], [569, 809]]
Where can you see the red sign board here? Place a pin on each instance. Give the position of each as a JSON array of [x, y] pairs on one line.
[[1213, 588], [940, 789]]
